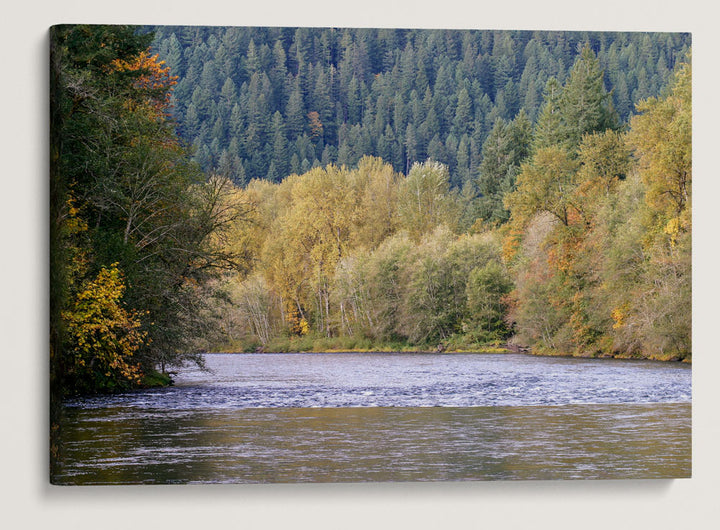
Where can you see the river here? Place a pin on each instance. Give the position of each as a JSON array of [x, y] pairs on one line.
[[265, 418]]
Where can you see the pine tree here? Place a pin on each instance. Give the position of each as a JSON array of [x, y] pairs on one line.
[[507, 146], [279, 75], [585, 105], [279, 153], [462, 171], [174, 57], [463, 113], [295, 114], [549, 127]]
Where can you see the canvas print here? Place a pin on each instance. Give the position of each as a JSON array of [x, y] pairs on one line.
[[284, 255]]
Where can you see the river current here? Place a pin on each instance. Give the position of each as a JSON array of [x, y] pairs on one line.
[[387, 417]]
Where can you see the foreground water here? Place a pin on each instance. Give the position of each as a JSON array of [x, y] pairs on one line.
[[387, 417]]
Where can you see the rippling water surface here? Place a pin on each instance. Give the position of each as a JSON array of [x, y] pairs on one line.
[[387, 417]]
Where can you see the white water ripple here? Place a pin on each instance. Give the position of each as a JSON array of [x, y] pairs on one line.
[[241, 381]]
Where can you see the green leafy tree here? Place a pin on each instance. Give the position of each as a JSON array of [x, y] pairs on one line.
[[431, 310], [488, 288], [385, 280], [545, 184]]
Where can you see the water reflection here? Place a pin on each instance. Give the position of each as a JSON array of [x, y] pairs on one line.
[[378, 444]]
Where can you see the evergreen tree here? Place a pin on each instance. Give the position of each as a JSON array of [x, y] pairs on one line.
[[462, 170], [463, 113], [173, 56], [279, 157], [507, 146], [549, 128], [295, 114], [585, 104], [279, 76]]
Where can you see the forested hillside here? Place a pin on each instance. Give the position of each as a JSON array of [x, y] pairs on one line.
[[581, 244], [288, 189], [272, 190], [268, 102]]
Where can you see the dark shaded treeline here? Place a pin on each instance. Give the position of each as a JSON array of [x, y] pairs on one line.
[[132, 218]]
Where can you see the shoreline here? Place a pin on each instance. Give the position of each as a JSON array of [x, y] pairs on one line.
[[478, 351]]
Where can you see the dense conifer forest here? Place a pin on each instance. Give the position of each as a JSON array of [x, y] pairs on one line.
[[287, 189], [268, 102]]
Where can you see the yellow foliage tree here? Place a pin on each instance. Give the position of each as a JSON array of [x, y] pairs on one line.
[[375, 185], [423, 198], [102, 336], [662, 139], [545, 184]]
